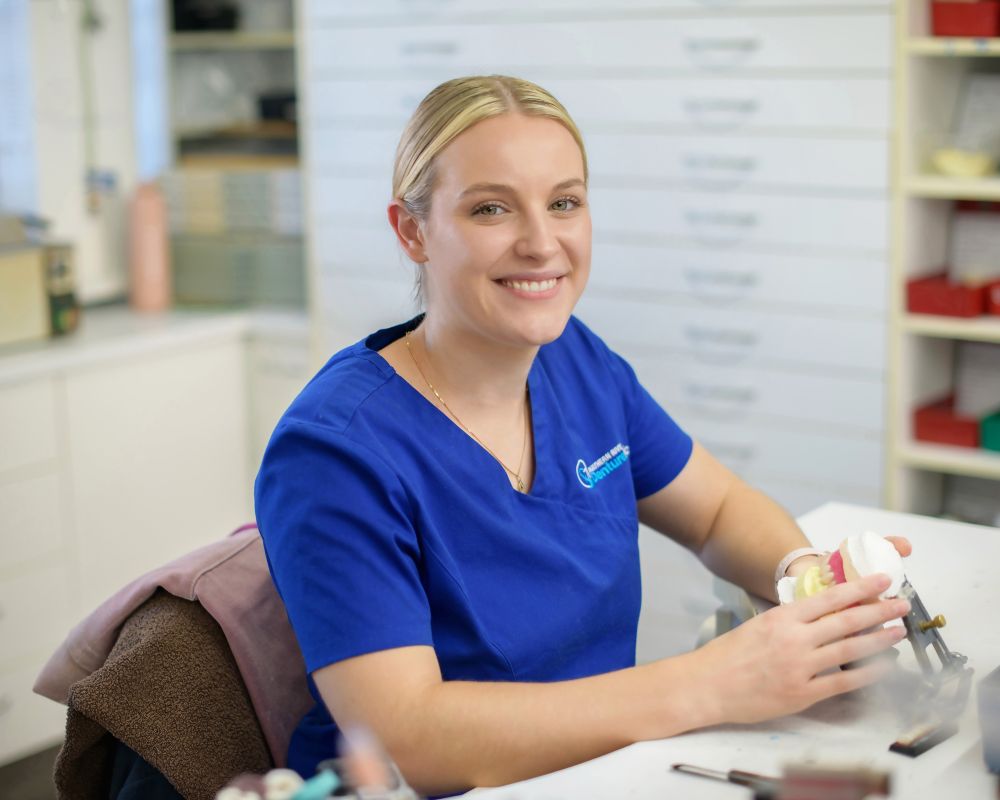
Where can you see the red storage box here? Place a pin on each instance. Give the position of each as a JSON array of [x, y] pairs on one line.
[[965, 19], [993, 298], [937, 422], [936, 295]]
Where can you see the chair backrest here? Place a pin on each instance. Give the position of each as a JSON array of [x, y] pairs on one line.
[[230, 579]]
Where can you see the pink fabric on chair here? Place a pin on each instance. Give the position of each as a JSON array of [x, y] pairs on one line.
[[231, 580]]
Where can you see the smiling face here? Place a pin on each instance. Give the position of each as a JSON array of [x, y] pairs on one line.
[[507, 239]]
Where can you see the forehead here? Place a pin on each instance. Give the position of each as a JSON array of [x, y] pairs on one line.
[[510, 149]]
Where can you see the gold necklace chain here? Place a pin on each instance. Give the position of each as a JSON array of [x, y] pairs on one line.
[[516, 474]]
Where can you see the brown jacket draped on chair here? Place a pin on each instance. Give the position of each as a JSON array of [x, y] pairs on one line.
[[170, 690], [194, 666]]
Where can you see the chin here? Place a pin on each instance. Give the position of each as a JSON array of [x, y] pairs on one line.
[[543, 331]]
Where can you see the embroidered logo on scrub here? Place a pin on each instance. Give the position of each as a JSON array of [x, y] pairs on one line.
[[590, 474]]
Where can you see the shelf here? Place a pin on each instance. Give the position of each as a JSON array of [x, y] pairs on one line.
[[236, 162], [951, 460], [262, 129], [233, 40], [953, 46], [241, 237], [976, 329], [945, 188]]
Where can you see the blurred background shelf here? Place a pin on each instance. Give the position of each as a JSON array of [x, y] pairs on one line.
[[953, 46], [951, 460], [946, 188], [232, 40], [978, 329]]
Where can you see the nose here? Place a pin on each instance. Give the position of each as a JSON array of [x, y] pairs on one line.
[[537, 238]]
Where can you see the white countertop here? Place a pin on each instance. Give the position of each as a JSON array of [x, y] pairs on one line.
[[116, 332], [953, 570]]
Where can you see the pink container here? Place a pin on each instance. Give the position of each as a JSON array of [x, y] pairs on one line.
[[150, 286]]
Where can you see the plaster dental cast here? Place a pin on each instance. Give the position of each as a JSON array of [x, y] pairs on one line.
[[859, 555], [451, 507]]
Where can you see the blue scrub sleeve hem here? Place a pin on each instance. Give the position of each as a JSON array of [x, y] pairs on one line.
[[673, 466], [317, 662]]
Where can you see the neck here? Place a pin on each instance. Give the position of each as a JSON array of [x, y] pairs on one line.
[[475, 372]]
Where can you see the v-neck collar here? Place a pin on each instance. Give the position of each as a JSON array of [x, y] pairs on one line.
[[536, 400]]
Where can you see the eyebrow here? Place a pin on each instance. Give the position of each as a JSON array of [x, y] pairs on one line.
[[502, 187]]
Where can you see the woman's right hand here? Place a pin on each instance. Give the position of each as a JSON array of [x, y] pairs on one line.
[[786, 659]]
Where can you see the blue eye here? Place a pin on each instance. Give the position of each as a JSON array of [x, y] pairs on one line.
[[566, 204], [488, 210]]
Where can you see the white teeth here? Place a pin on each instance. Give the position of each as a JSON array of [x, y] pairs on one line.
[[531, 286]]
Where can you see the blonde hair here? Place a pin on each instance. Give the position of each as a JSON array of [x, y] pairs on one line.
[[452, 108]]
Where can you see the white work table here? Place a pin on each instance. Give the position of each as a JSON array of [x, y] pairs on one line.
[[954, 570]]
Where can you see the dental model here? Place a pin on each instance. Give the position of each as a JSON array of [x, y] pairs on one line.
[[858, 555]]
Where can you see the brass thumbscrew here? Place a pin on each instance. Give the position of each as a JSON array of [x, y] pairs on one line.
[[937, 622]]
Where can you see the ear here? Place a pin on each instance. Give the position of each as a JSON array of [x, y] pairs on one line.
[[408, 231]]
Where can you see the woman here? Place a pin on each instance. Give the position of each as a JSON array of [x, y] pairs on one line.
[[450, 508]]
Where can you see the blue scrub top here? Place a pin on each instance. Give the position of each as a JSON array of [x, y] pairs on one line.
[[385, 525]]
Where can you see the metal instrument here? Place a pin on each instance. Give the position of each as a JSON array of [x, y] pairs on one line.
[[944, 686]]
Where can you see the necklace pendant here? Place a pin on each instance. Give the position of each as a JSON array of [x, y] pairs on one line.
[[520, 486]]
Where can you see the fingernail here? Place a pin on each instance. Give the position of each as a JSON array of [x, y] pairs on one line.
[[898, 633], [902, 607]]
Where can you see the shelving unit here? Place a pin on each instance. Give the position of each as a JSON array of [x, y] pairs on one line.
[[234, 192], [236, 55], [930, 73]]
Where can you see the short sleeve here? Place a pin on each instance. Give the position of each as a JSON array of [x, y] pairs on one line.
[[340, 542], [658, 447]]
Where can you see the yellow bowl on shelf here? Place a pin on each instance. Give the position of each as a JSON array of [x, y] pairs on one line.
[[963, 163]]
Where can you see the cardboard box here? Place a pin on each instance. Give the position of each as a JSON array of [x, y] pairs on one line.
[[37, 297]]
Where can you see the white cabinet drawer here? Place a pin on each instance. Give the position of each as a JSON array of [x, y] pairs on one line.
[[341, 11], [160, 458], [732, 278], [798, 498], [350, 202], [737, 103], [731, 220], [710, 219], [356, 306], [729, 103], [742, 394], [724, 279], [717, 163], [365, 252], [278, 371], [723, 163], [757, 452], [27, 423], [30, 523], [279, 359], [699, 45], [724, 337], [355, 150], [28, 722], [36, 610]]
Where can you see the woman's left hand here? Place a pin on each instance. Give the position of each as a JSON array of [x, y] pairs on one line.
[[902, 545]]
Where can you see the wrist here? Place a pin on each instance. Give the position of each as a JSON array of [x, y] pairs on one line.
[[802, 564], [797, 561], [684, 699]]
